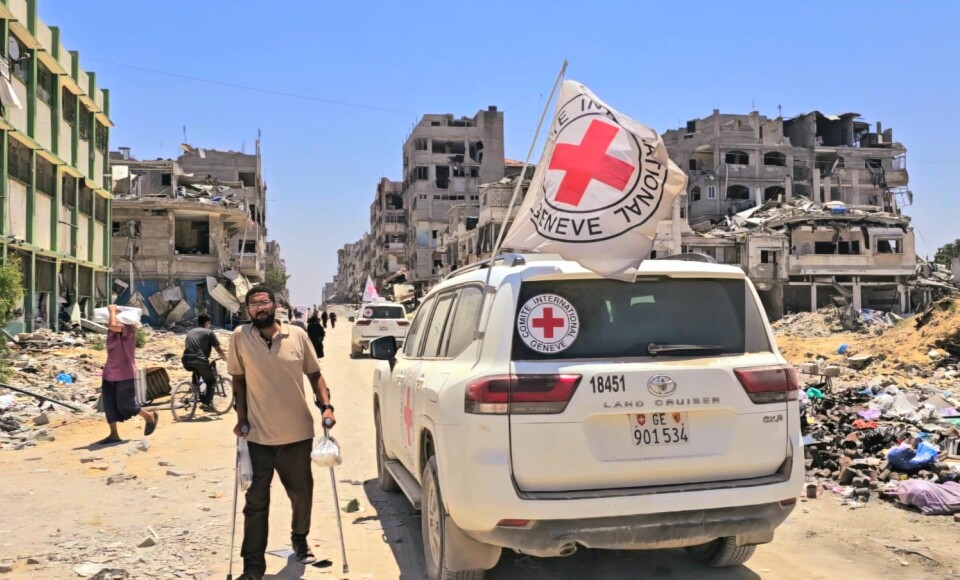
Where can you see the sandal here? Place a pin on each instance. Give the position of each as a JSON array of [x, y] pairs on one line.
[[151, 426]]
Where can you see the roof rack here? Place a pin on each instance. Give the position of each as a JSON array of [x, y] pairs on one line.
[[508, 260], [690, 257]]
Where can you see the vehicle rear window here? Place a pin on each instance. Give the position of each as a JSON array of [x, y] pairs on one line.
[[383, 312], [617, 319]]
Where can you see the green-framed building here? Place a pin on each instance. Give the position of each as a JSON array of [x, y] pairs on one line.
[[54, 170]]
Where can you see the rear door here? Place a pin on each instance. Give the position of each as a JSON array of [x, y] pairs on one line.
[[395, 413], [378, 320], [593, 409]]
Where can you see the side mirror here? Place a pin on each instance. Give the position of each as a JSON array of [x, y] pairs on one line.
[[384, 348]]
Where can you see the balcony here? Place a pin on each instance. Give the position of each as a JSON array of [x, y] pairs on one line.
[[877, 265], [777, 172], [248, 264], [764, 272]]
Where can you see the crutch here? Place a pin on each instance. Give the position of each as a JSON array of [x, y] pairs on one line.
[[327, 423], [236, 485]]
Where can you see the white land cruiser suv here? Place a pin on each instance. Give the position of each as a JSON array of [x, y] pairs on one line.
[[538, 407], [376, 319]]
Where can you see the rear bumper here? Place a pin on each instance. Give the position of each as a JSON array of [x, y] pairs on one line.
[[752, 524]]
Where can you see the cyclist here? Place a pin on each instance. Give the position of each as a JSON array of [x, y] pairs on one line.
[[196, 355]]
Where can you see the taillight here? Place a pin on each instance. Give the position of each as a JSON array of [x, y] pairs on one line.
[[403, 323], [512, 523], [364, 322], [520, 394], [772, 384]]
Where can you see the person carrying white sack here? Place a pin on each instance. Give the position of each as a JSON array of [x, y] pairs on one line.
[[118, 390]]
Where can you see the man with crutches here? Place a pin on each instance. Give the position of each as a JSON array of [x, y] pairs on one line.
[[267, 361]]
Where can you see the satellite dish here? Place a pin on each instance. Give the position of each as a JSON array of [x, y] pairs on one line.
[[14, 49]]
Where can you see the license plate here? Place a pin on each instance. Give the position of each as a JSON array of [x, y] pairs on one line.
[[384, 328], [654, 429]]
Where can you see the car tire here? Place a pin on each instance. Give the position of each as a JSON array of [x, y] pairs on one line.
[[721, 553], [386, 481], [433, 522]]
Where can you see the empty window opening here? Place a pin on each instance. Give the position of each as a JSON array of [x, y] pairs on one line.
[[18, 160], [422, 173], [420, 144], [894, 246], [768, 257], [192, 236], [166, 179], [46, 176], [248, 178], [122, 229], [824, 248], [394, 201], [68, 106], [775, 158], [875, 163], [476, 151], [86, 201], [737, 158], [443, 176], [739, 192], [772, 193], [695, 194], [45, 83], [247, 247], [848, 248], [100, 209], [68, 195]]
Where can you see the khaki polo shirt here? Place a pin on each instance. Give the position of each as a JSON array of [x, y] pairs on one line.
[[277, 409]]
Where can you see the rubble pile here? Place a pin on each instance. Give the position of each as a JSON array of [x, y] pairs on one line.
[[66, 367]]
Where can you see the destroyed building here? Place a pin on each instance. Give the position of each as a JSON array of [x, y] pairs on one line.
[[445, 160], [350, 277], [190, 233], [55, 201], [388, 231], [810, 207]]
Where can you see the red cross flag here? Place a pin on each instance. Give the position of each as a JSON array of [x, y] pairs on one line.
[[370, 293], [602, 185]]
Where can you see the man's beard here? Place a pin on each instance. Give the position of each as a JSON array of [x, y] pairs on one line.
[[265, 322]]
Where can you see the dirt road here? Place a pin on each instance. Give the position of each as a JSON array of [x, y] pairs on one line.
[[62, 519]]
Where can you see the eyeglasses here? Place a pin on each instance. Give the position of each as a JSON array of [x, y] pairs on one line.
[[259, 305]]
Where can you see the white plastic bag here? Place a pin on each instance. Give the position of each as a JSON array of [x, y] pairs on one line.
[[125, 315], [245, 468], [327, 452]]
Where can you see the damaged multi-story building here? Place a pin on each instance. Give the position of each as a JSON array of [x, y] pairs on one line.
[[445, 160], [388, 232], [190, 233], [54, 137], [810, 207]]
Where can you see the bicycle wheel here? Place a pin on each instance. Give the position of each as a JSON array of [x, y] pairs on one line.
[[223, 397], [183, 401]]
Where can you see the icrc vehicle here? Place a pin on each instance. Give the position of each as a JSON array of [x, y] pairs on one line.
[[540, 408], [376, 319]]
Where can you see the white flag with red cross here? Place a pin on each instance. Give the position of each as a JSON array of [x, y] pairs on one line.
[[370, 293], [602, 185]]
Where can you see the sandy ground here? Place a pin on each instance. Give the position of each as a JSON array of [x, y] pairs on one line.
[[51, 500]]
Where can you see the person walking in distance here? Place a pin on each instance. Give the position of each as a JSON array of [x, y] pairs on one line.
[[119, 394], [196, 357], [323, 318], [316, 333], [333, 320], [267, 360]]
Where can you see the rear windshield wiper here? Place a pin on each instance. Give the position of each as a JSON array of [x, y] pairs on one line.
[[654, 349]]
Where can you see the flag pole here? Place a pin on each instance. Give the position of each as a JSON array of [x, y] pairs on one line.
[[526, 163]]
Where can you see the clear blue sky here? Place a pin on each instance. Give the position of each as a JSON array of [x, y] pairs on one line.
[[662, 64]]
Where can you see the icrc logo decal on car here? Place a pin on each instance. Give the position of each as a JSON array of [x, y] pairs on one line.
[[548, 323]]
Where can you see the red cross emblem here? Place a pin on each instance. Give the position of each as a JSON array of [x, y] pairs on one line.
[[548, 323], [588, 161], [677, 417], [408, 417], [641, 420]]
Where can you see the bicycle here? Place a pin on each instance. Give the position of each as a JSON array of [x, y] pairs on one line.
[[186, 396]]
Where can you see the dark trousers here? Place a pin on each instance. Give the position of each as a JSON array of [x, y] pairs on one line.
[[205, 371], [119, 400], [292, 464]]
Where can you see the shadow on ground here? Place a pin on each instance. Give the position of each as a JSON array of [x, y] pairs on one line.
[[401, 530]]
